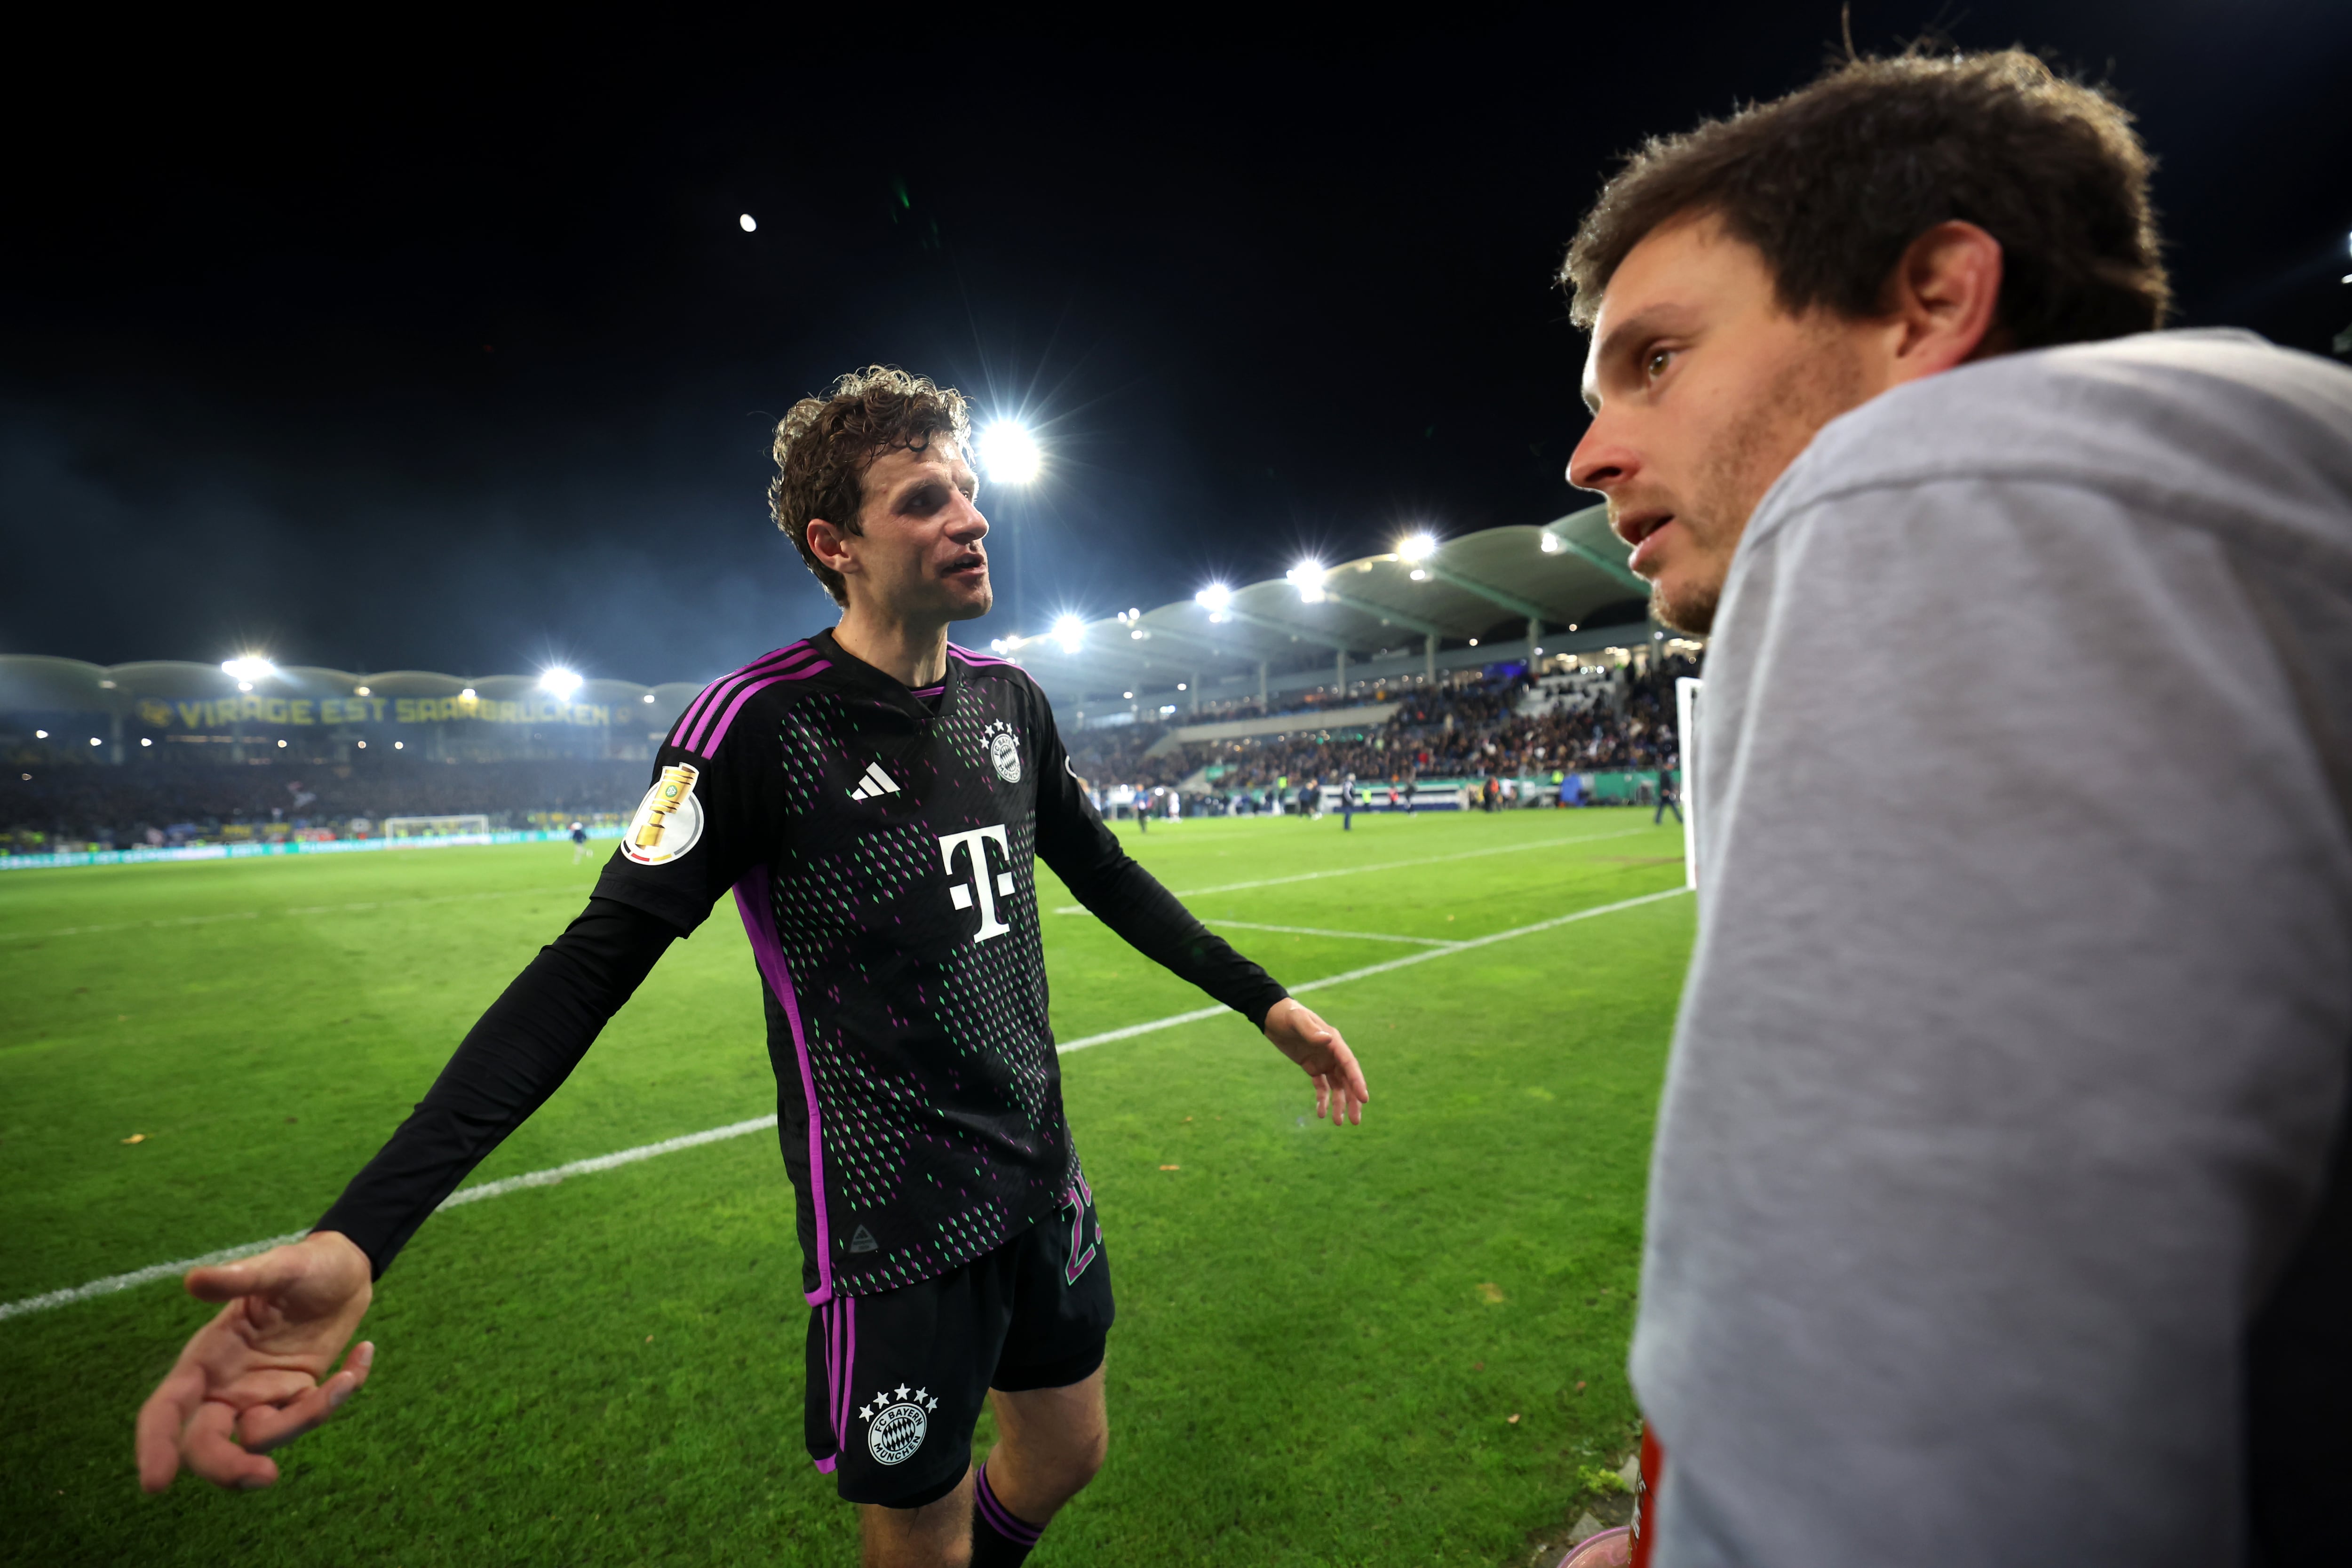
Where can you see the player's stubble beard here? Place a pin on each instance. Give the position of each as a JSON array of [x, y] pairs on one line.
[[1772, 429]]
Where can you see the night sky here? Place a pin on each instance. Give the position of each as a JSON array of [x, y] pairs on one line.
[[449, 353]]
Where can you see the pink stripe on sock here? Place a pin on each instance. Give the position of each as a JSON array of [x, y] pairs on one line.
[[1020, 1531]]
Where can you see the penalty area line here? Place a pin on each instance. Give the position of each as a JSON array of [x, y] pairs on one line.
[[1561, 843], [1407, 962], [113, 1283]]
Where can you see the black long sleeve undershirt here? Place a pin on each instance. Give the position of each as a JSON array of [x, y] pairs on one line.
[[1131, 901], [509, 1062], [535, 1034]]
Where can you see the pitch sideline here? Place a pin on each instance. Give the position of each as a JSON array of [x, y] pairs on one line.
[[113, 1283]]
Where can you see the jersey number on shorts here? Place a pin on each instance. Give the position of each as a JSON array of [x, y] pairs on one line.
[[1082, 1200]]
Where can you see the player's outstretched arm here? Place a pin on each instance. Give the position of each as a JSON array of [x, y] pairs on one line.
[[256, 1376], [1322, 1056]]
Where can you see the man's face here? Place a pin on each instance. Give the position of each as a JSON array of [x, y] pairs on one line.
[[919, 552], [1703, 389]]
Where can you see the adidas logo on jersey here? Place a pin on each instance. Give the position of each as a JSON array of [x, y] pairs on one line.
[[875, 784]]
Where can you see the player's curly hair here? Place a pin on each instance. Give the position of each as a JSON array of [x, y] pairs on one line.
[[825, 445], [1834, 182]]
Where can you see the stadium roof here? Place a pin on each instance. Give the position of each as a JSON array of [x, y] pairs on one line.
[[1563, 576]]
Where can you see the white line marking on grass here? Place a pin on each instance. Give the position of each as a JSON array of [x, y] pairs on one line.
[[113, 1282], [497, 1189], [555, 1174], [36, 934], [1448, 951], [1389, 866], [1317, 930]]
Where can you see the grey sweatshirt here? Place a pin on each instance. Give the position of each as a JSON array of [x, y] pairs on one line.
[[2007, 1088]]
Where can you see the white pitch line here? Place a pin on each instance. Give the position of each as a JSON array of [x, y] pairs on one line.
[[473, 1194], [1318, 931], [1372, 969], [555, 1174], [1388, 865]]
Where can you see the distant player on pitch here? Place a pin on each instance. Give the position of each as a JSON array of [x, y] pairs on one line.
[[873, 798]]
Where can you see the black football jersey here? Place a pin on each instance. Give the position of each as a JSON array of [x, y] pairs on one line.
[[878, 843]]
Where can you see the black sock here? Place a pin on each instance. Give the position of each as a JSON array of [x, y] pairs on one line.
[[998, 1539]]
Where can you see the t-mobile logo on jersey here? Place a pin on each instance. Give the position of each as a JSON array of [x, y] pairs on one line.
[[989, 886]]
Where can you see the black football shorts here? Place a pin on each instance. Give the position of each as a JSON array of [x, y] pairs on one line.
[[896, 1379]]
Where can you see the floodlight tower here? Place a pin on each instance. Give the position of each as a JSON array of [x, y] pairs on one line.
[[1008, 455]]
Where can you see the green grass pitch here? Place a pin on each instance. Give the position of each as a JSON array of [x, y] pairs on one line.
[[1324, 1335]]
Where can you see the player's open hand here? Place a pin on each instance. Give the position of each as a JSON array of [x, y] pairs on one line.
[[1323, 1055], [256, 1375]]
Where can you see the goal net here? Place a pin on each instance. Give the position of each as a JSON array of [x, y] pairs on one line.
[[396, 828]]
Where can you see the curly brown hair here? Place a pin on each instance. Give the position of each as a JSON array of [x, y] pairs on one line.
[[825, 445], [1834, 182]]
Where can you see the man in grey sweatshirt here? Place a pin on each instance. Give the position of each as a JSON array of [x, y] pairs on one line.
[[2000, 1210]]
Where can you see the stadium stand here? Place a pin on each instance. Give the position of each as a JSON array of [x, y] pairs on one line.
[[1580, 719], [1516, 653]]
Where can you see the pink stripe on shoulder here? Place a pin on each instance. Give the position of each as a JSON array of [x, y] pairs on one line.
[[980, 660], [699, 710], [707, 745], [695, 735]]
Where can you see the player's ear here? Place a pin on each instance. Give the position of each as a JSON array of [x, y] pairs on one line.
[[830, 545]]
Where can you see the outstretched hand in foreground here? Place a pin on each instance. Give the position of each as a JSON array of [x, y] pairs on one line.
[[1323, 1055], [256, 1376]]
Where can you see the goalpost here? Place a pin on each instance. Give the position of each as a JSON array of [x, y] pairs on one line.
[[1687, 691], [422, 830]]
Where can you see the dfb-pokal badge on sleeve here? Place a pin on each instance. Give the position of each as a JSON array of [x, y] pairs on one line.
[[668, 821]]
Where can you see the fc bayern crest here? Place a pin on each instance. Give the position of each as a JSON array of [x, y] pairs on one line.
[[896, 1424], [1004, 752]]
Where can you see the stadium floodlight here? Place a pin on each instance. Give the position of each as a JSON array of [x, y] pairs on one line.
[[400, 745], [362, 691], [1070, 632], [1417, 546], [749, 223], [1010, 453], [40, 734], [1419, 575], [281, 745], [467, 694], [248, 666], [145, 742], [1128, 696], [1308, 578], [1550, 545], [561, 682], [96, 742], [1213, 599], [649, 697]]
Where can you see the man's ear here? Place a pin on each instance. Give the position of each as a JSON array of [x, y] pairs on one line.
[[1946, 299], [830, 545]]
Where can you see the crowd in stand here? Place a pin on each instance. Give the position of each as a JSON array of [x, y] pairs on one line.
[[1474, 731], [145, 802], [1467, 732]]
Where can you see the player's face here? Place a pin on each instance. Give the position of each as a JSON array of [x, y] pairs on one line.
[[1703, 389], [920, 556]]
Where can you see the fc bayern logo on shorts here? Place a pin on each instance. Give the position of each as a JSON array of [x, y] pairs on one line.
[[1004, 752], [896, 1424]]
